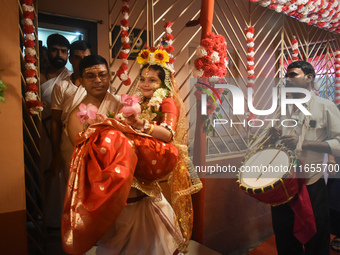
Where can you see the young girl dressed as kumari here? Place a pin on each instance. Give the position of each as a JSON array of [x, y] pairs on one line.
[[113, 198]]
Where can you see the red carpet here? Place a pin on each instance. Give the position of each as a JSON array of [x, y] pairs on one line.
[[268, 248]]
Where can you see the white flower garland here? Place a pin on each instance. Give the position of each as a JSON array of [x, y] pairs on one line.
[[155, 101], [337, 77], [249, 32], [295, 48], [123, 55], [321, 13], [32, 102]]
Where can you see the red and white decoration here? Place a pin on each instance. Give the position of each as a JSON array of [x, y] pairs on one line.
[[321, 13], [124, 53], [295, 48], [212, 58], [32, 102], [167, 42], [337, 77], [249, 32]]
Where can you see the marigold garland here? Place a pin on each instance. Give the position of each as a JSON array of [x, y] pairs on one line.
[[33, 104], [123, 55]]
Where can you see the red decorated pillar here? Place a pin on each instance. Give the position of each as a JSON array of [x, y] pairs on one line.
[[206, 18]]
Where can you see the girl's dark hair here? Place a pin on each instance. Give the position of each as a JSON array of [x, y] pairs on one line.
[[160, 71]]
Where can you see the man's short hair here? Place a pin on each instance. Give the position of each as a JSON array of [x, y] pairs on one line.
[[92, 60], [79, 45], [306, 67], [57, 39]]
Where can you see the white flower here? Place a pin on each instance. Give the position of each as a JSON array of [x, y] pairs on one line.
[[197, 73], [293, 7], [27, 22], [200, 51], [295, 45], [325, 4], [127, 51], [125, 39], [30, 80], [325, 14], [278, 8], [124, 76], [225, 63], [30, 66], [152, 59], [125, 15], [27, 8], [265, 3], [250, 63], [214, 57], [251, 72], [36, 110], [30, 96], [124, 28], [168, 30], [30, 52], [314, 17], [305, 19], [249, 35], [29, 37], [282, 2], [125, 61], [251, 54], [160, 93], [170, 42], [251, 44]]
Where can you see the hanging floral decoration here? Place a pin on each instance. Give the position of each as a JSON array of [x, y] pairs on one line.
[[249, 32], [32, 102], [167, 43], [295, 48], [212, 58], [337, 77], [321, 13], [124, 53], [210, 69]]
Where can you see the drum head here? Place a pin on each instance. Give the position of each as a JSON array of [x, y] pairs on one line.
[[264, 168]]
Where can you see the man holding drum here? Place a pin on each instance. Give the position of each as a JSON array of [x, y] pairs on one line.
[[314, 135]]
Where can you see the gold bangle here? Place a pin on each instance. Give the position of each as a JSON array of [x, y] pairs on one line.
[[151, 129]]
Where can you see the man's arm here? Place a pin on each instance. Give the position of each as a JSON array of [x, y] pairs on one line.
[[74, 126]]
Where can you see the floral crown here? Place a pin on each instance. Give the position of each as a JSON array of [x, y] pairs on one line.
[[160, 55], [155, 56]]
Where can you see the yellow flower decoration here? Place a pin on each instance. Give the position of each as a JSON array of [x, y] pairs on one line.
[[161, 57], [143, 57]]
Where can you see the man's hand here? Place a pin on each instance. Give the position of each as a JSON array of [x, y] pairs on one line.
[[273, 134], [290, 141]]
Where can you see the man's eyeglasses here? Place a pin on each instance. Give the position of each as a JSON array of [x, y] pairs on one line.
[[91, 77]]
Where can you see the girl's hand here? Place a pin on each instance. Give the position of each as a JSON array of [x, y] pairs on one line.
[[134, 121]]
